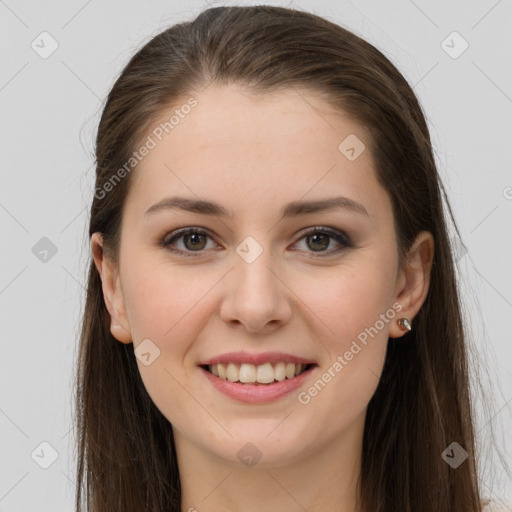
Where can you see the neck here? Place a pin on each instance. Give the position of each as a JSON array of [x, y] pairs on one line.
[[326, 479]]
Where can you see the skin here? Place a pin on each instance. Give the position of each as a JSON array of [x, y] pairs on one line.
[[254, 154]]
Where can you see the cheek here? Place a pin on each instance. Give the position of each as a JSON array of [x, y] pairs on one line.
[[166, 307], [170, 307], [348, 301], [162, 300], [354, 306]]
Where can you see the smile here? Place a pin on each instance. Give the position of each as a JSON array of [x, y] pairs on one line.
[[266, 373], [254, 391]]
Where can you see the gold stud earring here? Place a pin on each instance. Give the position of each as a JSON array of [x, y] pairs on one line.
[[404, 324]]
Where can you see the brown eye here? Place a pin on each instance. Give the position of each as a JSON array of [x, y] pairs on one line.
[[318, 239], [193, 241], [196, 241]]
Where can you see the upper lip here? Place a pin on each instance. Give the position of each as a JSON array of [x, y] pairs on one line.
[[256, 359]]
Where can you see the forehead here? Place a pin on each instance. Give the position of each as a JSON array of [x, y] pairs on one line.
[[242, 149]]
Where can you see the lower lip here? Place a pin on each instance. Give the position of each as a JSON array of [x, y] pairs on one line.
[[257, 394]]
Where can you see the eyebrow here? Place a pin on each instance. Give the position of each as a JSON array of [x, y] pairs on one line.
[[293, 209]]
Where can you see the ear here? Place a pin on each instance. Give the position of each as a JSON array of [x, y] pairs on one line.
[[112, 292], [414, 280]]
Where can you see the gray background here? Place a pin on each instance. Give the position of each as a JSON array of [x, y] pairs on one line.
[[50, 108]]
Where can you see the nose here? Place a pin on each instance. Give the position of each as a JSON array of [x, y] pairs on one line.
[[256, 296]]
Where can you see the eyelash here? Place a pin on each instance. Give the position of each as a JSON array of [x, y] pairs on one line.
[[339, 236]]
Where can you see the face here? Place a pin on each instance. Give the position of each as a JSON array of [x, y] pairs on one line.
[[246, 283]]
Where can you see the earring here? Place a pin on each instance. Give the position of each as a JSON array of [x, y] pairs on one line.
[[404, 324]]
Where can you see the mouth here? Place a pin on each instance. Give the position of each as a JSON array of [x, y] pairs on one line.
[[258, 375]]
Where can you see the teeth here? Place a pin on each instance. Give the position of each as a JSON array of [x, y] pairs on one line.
[[280, 371], [232, 372], [265, 373], [261, 374], [247, 373], [290, 370]]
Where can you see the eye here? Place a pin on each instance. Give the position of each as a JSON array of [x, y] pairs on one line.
[[195, 240], [319, 239]]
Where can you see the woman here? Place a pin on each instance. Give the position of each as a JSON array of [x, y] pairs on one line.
[[272, 317]]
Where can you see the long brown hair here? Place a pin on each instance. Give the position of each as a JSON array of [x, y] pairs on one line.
[[126, 454]]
